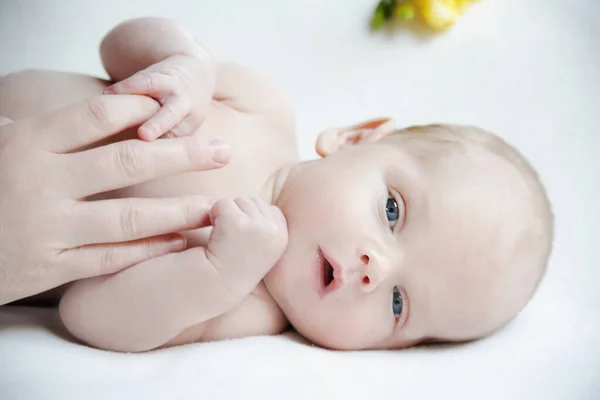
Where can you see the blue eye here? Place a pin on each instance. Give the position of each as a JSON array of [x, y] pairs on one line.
[[392, 211], [396, 303]]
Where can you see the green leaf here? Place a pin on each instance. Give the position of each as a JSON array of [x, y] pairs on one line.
[[377, 20]]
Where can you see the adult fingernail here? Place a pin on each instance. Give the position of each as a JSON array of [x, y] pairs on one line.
[[176, 242], [219, 151]]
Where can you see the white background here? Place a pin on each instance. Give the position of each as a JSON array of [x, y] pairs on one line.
[[528, 70]]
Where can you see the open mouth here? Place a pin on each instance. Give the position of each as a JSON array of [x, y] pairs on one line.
[[327, 273]]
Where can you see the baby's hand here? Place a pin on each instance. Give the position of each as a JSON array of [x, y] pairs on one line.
[[247, 240], [180, 84]]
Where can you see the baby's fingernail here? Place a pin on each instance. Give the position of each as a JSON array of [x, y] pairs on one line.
[[220, 151], [148, 132], [108, 90]]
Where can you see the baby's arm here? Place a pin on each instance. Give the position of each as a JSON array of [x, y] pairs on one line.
[[139, 43], [159, 58], [147, 305]]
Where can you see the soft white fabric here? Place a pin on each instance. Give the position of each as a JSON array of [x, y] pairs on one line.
[[528, 70]]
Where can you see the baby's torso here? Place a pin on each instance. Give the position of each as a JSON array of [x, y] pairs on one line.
[[257, 153], [258, 150], [261, 143]]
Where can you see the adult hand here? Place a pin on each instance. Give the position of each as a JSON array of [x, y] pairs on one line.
[[50, 236]]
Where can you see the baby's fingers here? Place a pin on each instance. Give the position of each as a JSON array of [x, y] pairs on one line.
[[169, 115], [148, 83]]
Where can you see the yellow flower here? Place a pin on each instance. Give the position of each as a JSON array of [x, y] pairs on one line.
[[405, 11], [461, 5], [438, 14]]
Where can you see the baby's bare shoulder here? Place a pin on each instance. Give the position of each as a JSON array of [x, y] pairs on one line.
[[247, 90], [250, 92]]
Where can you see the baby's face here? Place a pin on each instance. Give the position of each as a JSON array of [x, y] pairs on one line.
[[385, 249]]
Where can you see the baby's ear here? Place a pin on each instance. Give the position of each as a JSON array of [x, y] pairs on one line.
[[335, 139]]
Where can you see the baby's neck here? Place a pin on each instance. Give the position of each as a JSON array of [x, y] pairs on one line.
[[270, 193], [274, 185]]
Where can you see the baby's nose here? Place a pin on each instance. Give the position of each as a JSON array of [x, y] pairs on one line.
[[374, 270]]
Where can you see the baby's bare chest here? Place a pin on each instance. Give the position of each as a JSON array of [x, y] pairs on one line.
[[258, 150]]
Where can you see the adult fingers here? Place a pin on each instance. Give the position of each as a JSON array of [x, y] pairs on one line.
[[122, 220], [143, 82], [130, 162], [89, 121], [102, 259]]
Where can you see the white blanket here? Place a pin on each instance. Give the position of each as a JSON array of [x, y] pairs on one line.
[[526, 70], [540, 356]]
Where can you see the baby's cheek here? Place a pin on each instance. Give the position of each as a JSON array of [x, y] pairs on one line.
[[353, 326]]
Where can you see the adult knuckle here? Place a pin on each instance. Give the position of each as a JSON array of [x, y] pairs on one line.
[[110, 261], [132, 218], [188, 210], [193, 150], [97, 111], [131, 160], [148, 80]]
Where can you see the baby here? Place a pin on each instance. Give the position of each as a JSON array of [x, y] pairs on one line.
[[390, 239]]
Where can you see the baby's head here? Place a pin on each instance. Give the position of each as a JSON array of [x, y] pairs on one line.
[[437, 232]]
